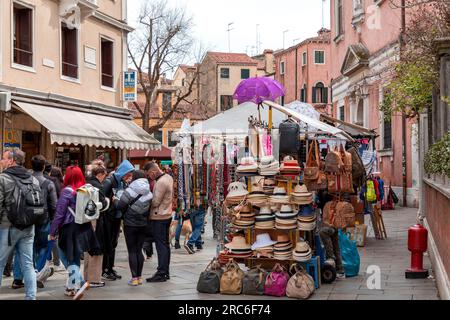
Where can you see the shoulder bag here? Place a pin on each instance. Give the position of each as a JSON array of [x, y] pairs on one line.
[[300, 285], [276, 282], [209, 281], [231, 280], [254, 281]]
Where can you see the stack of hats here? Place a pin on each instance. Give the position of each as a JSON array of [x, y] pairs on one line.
[[245, 219], [290, 167], [283, 248], [237, 191], [301, 195], [263, 247], [286, 218], [306, 219], [279, 196], [269, 166], [265, 219], [269, 185], [238, 248], [257, 197], [248, 167], [302, 252]]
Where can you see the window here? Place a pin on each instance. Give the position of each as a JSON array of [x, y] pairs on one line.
[[387, 135], [23, 35], [282, 67], [226, 102], [319, 57], [107, 63], [282, 100], [69, 51], [183, 82], [225, 73], [320, 93], [245, 73], [167, 101], [303, 93], [170, 141], [158, 136], [342, 113], [339, 24], [304, 59]]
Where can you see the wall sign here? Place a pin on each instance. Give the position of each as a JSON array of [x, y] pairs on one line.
[[130, 86]]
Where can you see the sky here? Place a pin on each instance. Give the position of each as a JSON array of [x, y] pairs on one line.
[[302, 19]]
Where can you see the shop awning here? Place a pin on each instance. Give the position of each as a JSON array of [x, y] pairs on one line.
[[81, 128], [353, 129]]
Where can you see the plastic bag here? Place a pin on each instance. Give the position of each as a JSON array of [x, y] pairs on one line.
[[350, 255]]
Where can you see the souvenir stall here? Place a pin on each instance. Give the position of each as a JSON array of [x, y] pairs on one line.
[[275, 207]]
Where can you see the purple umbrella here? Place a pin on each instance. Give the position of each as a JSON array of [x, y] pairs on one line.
[[258, 89]]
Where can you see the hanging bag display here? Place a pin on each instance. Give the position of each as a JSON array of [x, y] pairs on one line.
[[350, 255], [346, 158], [254, 281], [358, 170], [289, 137], [312, 166], [339, 214], [300, 285], [276, 282], [231, 280], [371, 195], [333, 162], [209, 281]]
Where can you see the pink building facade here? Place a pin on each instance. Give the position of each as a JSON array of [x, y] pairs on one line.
[[364, 43], [304, 70]]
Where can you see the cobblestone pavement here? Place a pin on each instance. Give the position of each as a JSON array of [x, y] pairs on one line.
[[390, 255]]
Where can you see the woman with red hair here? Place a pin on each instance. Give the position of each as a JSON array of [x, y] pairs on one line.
[[73, 239]]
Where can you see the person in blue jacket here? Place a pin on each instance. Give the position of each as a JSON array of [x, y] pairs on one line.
[[113, 187]]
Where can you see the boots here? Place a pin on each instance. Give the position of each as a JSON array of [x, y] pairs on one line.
[[177, 245]]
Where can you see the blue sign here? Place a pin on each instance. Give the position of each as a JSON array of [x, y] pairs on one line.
[[130, 86]]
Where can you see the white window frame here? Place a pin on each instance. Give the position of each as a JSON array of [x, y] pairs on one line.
[[282, 69], [304, 60], [63, 77], [324, 60], [111, 89], [18, 66]]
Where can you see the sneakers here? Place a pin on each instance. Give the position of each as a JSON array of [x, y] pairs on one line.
[[189, 248], [109, 276], [177, 245], [115, 274], [340, 276], [134, 282], [45, 273], [157, 278], [17, 284], [199, 247], [70, 292], [97, 284], [80, 293], [140, 281]]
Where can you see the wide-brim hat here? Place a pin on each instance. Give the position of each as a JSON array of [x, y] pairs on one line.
[[262, 241], [306, 211], [267, 159], [301, 200], [302, 247], [301, 191], [237, 189], [238, 242], [306, 226], [265, 210]]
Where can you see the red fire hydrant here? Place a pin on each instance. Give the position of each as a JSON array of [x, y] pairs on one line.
[[417, 244]]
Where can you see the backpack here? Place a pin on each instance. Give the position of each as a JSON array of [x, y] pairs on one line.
[[289, 141], [28, 204], [88, 206], [333, 162], [371, 195]]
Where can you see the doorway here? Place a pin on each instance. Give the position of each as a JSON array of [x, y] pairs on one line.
[[30, 145]]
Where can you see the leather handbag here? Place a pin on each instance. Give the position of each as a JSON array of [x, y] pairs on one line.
[[209, 280], [276, 282], [319, 184], [312, 167], [339, 214], [358, 169], [340, 183], [254, 281], [231, 280], [346, 159], [333, 162], [187, 227], [300, 285]]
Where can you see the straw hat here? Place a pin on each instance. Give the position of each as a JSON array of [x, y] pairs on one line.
[[301, 191], [263, 241], [238, 242], [237, 189], [279, 195], [302, 252]]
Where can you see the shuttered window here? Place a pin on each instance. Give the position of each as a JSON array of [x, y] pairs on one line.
[[23, 35], [245, 73], [303, 94], [69, 51], [107, 63], [226, 102], [387, 135], [167, 101], [320, 93]]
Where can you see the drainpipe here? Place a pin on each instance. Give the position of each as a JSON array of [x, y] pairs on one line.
[[404, 159], [296, 74]]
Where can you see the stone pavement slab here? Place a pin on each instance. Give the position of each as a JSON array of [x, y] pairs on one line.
[[391, 255]]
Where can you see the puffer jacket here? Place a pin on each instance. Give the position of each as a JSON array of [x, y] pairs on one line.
[[136, 214]]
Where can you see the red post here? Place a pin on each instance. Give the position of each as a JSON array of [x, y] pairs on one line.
[[417, 244]]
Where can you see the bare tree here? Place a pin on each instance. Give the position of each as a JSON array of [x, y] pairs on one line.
[[162, 41]]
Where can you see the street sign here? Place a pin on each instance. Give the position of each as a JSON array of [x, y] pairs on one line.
[[130, 86]]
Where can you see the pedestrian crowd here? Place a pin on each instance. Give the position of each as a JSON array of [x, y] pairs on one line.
[[49, 219]]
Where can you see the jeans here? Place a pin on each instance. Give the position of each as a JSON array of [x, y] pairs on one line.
[[160, 230], [179, 227], [21, 241], [330, 239], [75, 280], [197, 221]]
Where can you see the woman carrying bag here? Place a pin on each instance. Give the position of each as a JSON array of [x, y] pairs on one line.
[[135, 204]]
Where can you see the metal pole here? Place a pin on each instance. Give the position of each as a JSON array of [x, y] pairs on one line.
[[229, 36], [404, 160]]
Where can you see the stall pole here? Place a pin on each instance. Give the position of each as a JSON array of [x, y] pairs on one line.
[[270, 119]]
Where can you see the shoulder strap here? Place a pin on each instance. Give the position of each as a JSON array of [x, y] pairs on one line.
[[134, 200], [18, 182]]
